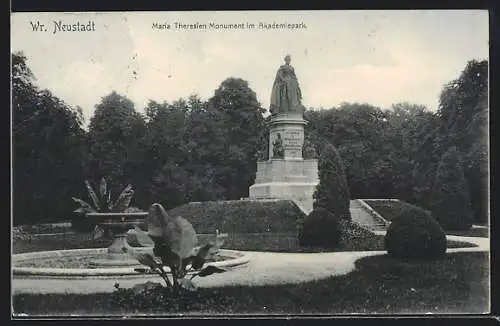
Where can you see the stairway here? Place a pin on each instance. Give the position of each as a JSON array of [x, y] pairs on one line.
[[362, 217]]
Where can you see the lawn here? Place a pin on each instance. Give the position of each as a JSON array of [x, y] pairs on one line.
[[482, 233], [390, 210], [458, 283], [276, 242]]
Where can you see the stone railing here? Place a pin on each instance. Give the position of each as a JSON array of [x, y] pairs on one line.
[[372, 212]]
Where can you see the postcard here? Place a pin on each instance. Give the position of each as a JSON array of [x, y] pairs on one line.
[[242, 163]]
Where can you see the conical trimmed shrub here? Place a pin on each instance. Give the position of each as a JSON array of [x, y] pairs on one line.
[[332, 192], [450, 198]]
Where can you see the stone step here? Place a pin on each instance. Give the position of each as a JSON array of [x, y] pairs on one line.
[[355, 204], [374, 227], [360, 216]]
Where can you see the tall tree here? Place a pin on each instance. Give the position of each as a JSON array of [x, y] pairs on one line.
[[204, 141], [165, 158], [116, 135], [463, 113], [236, 111], [409, 127], [450, 201], [48, 149]]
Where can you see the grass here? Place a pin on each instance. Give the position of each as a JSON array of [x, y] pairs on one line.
[[388, 209], [57, 243], [354, 240], [46, 228], [482, 233], [458, 283]]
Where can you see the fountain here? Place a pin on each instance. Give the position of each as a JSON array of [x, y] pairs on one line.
[[118, 224], [102, 263], [72, 268]]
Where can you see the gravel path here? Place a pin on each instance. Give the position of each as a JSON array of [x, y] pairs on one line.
[[264, 268]]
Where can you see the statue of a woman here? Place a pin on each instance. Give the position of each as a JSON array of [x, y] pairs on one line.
[[286, 95], [278, 150]]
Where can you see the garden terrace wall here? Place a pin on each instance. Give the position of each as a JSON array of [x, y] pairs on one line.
[[242, 216], [389, 209]]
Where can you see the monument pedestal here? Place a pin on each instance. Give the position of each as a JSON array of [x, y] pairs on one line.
[[290, 177]]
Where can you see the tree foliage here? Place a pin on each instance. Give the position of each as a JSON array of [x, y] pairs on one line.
[[48, 150], [116, 150], [240, 124], [450, 195], [463, 115], [196, 150]]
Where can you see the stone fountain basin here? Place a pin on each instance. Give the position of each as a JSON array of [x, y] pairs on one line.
[[237, 258]]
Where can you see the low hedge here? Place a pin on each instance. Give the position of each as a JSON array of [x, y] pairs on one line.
[[241, 216]]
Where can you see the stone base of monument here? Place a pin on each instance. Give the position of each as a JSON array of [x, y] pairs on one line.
[[286, 179], [287, 170], [289, 177], [300, 193]]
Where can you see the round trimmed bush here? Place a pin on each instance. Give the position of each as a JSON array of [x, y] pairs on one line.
[[415, 234], [320, 229]]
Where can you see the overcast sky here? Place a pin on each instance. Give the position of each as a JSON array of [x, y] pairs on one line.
[[378, 57]]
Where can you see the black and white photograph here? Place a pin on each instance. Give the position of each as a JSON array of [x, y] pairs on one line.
[[244, 163]]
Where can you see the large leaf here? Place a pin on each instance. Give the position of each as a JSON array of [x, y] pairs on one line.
[[93, 195], [123, 201], [147, 260], [109, 202], [82, 210], [157, 219], [103, 188], [215, 245], [84, 204], [143, 238], [198, 260], [209, 270], [181, 236]]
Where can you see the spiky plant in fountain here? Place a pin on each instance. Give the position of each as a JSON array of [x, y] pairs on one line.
[[102, 202]]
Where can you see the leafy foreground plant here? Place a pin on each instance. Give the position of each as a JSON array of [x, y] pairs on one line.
[[174, 242], [101, 203]]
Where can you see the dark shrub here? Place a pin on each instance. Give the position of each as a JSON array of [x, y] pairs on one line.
[[450, 199], [321, 228], [415, 235], [359, 239], [332, 191], [241, 216]]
